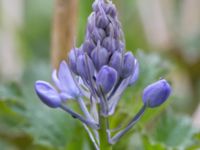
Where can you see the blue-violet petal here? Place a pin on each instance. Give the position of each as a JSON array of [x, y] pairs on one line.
[[157, 93], [106, 78], [64, 80], [47, 94], [135, 73]]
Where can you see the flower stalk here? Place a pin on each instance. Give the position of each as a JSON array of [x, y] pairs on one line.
[[103, 134], [135, 119]]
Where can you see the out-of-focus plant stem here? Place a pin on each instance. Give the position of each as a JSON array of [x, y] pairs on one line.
[[64, 29]]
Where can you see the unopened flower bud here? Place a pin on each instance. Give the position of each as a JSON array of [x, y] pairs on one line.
[[47, 94], [135, 73], [157, 93], [121, 47], [72, 60], [88, 46], [110, 44], [101, 21], [97, 5], [113, 29], [97, 34], [85, 66], [99, 56], [111, 10], [116, 61], [128, 65], [106, 78], [91, 23]]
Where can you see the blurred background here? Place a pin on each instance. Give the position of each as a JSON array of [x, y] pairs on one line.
[[35, 35]]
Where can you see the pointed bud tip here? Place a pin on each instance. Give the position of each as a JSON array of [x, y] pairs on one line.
[[85, 66], [156, 94], [106, 78], [128, 65], [72, 60], [116, 61], [99, 56], [135, 74], [47, 94]]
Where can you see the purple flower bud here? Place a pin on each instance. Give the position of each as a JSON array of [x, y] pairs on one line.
[[88, 46], [157, 93], [91, 23], [98, 5], [110, 30], [101, 21], [85, 66], [99, 56], [72, 60], [128, 65], [116, 61], [106, 78], [135, 73], [98, 34], [47, 94], [121, 46], [111, 10], [113, 29], [95, 6], [110, 44]]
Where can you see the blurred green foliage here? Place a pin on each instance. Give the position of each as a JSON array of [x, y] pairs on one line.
[[26, 124]]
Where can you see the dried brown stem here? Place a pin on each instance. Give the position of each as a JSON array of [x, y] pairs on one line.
[[64, 29]]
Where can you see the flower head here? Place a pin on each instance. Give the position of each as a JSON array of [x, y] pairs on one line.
[[99, 71], [102, 59]]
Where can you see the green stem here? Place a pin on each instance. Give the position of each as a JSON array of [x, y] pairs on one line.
[[104, 144]]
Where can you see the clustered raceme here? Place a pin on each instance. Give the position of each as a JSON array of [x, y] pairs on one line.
[[102, 63], [99, 71]]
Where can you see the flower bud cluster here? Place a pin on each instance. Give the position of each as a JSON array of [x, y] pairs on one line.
[[102, 61], [99, 70]]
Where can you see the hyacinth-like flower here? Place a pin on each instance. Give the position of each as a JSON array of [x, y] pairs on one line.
[[97, 73]]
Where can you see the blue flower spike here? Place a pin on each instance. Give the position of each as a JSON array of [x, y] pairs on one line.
[[96, 75]]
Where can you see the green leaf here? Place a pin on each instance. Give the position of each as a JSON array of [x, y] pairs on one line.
[[148, 145], [49, 127], [9, 115], [196, 136], [4, 145], [193, 147], [173, 130], [11, 90]]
